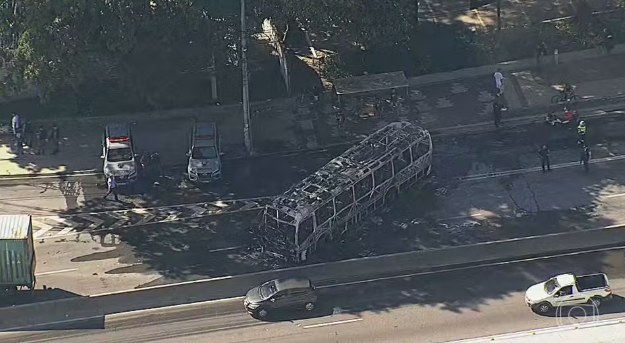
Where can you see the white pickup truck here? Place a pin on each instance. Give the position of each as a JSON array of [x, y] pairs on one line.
[[568, 290]]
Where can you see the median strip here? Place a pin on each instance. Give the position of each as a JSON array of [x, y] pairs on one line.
[[326, 274]]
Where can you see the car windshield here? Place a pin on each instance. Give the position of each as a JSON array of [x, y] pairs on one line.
[[204, 153], [551, 285], [119, 155], [268, 289]]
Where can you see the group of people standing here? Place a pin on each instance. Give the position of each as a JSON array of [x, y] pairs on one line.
[[585, 154], [36, 140], [499, 105]]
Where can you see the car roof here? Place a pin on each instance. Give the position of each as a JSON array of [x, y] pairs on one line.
[[565, 279], [291, 283], [117, 130], [205, 129]]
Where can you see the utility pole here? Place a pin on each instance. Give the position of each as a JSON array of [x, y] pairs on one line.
[[499, 15], [247, 128]]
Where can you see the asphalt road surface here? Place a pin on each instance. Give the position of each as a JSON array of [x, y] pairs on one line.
[[435, 307], [485, 187]]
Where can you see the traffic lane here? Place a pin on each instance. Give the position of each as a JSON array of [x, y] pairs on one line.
[[437, 307], [148, 255], [437, 214]]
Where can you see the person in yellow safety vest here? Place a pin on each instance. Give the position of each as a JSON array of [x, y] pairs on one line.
[[581, 128]]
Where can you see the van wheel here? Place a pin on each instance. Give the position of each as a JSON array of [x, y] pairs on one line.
[[542, 307], [596, 301], [310, 306], [262, 313]]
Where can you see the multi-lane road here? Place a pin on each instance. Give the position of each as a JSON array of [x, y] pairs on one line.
[[434, 307], [486, 187]]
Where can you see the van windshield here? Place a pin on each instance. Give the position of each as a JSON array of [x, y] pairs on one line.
[[268, 289], [119, 155], [204, 153], [551, 285]]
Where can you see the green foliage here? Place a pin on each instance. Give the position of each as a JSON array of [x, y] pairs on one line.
[[142, 44], [368, 23]]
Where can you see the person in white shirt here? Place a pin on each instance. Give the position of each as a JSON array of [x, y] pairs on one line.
[[16, 123], [499, 80], [112, 188]]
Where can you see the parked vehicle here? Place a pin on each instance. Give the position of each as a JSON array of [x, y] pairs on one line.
[[280, 294], [119, 154], [568, 290], [17, 253], [204, 153]]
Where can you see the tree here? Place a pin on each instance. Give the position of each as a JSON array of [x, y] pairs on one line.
[[362, 22], [142, 44]]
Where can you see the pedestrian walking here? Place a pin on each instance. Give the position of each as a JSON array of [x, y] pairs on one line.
[[16, 123], [41, 141], [497, 107], [112, 188], [585, 157], [544, 158], [499, 81], [55, 138]]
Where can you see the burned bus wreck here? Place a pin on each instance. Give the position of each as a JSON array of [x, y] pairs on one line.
[[346, 190]]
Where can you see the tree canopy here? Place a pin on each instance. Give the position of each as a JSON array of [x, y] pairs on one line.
[[362, 22], [141, 43]]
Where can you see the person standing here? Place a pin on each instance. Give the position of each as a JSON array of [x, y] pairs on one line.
[[19, 144], [112, 188], [499, 81], [497, 112], [55, 138], [585, 157], [544, 158], [27, 133], [16, 123], [42, 139]]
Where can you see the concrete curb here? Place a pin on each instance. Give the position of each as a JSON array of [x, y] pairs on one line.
[[614, 103], [325, 274]]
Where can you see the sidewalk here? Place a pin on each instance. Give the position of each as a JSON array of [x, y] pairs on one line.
[[442, 100]]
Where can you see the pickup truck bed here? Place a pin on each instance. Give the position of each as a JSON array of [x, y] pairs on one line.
[[592, 281]]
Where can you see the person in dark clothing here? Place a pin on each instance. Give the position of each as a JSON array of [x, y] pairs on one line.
[[585, 157], [497, 113], [19, 144], [27, 133], [544, 158], [55, 138], [42, 139]]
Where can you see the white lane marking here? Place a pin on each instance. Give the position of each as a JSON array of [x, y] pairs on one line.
[[377, 257], [172, 217], [534, 169], [95, 222], [520, 334], [173, 307], [65, 231], [56, 271], [38, 325], [477, 266], [347, 321], [43, 228], [121, 220], [197, 211], [225, 249], [249, 206]]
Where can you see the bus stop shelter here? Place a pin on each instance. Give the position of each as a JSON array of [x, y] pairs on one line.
[[370, 84]]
